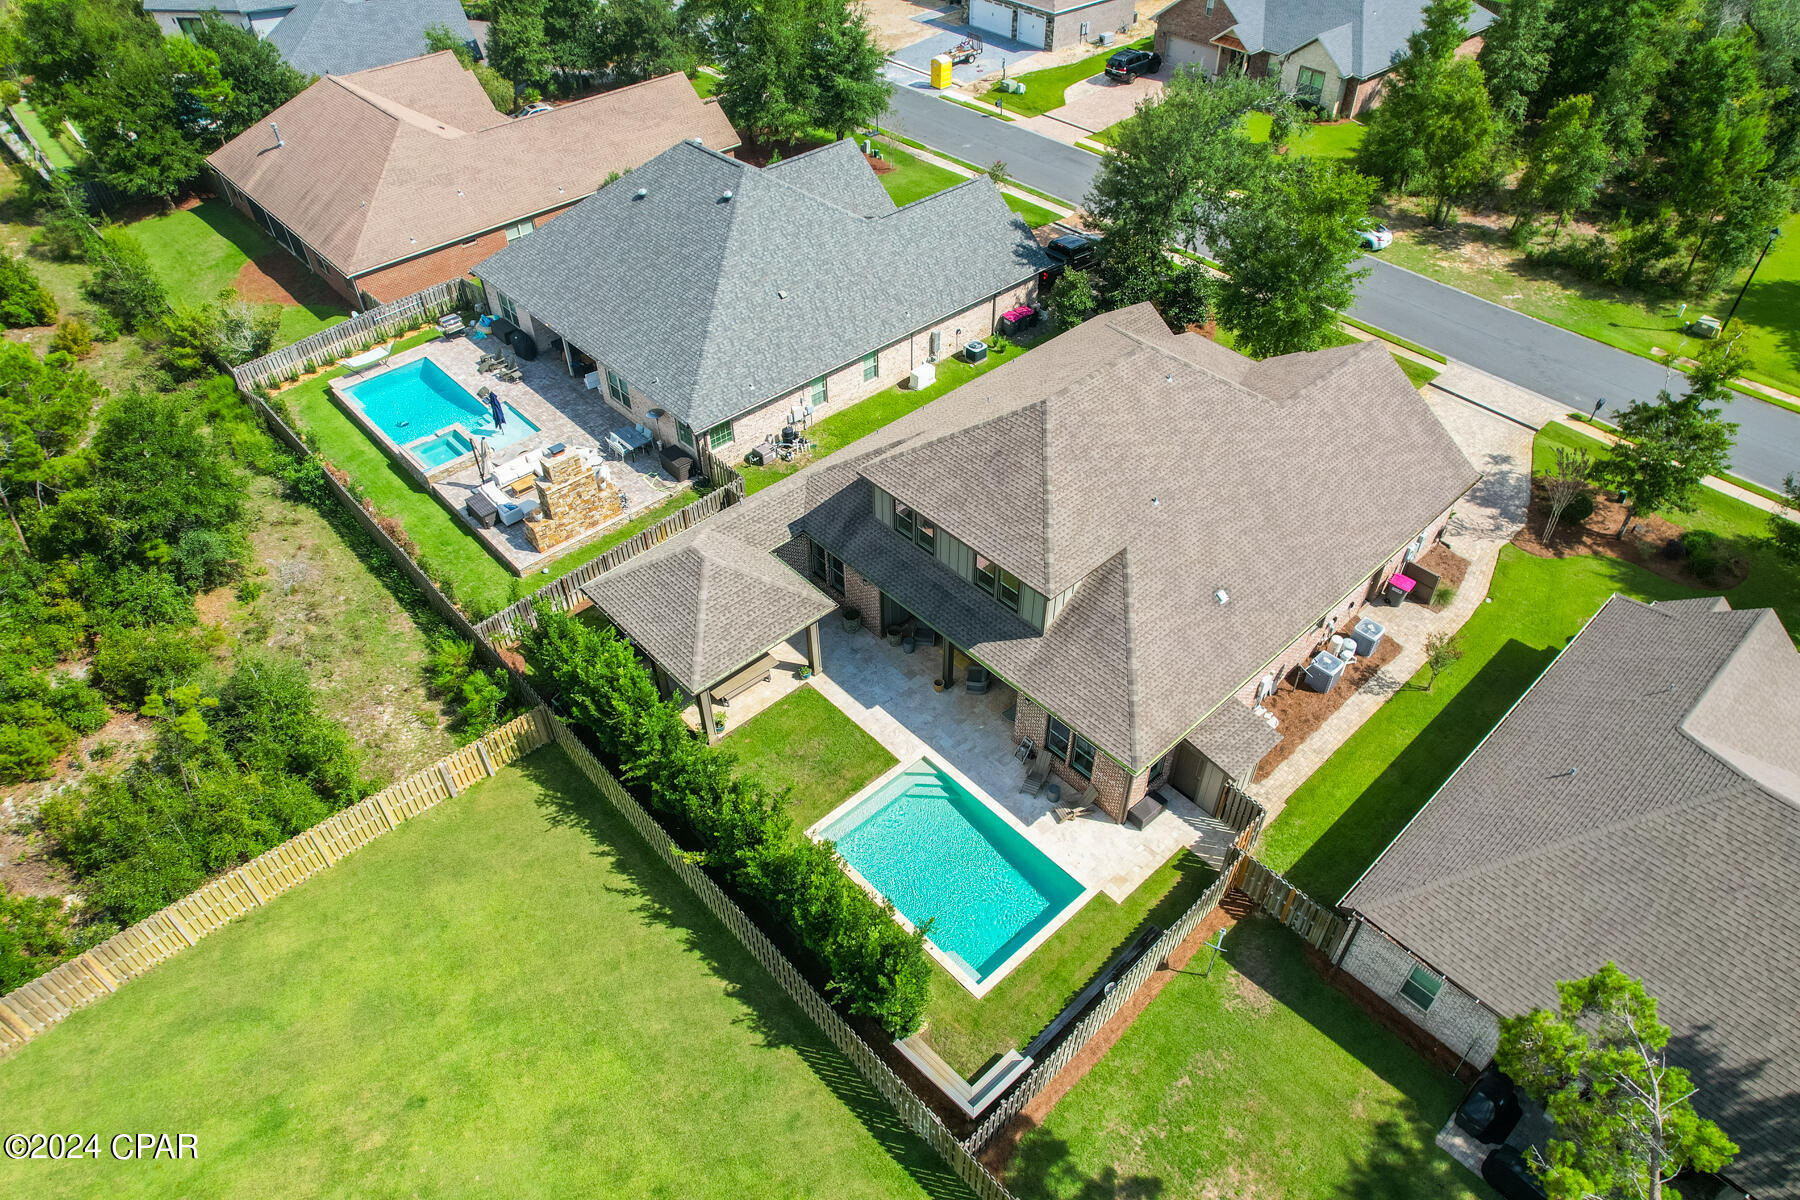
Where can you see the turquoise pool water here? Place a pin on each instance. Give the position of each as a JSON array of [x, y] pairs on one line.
[[420, 398], [442, 449], [943, 856]]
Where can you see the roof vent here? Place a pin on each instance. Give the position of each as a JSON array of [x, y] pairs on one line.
[[781, 295], [1222, 596], [278, 142], [725, 195], [641, 193]]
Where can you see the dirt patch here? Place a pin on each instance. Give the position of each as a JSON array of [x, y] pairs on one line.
[[280, 278], [1300, 711], [1651, 542], [1449, 566], [881, 165]]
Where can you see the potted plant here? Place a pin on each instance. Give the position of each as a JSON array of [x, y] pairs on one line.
[[852, 620], [803, 673]]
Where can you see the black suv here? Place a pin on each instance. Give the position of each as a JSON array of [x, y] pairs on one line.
[[1069, 250], [1127, 65]]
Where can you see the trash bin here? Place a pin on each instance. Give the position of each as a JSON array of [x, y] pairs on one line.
[[1399, 587], [1367, 635], [975, 351]]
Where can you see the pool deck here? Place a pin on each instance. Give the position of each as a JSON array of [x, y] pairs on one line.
[[563, 411]]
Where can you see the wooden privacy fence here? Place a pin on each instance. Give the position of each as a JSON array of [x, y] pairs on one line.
[[1319, 925], [1243, 814], [348, 337], [31, 1009], [1115, 998], [917, 1115]]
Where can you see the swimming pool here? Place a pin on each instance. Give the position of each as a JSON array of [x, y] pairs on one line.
[[445, 448], [941, 855], [418, 399]]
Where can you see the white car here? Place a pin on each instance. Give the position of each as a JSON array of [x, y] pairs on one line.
[[1375, 237]]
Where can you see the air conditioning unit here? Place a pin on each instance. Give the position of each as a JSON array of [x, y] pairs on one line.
[[1323, 672], [1106, 38], [1368, 635]]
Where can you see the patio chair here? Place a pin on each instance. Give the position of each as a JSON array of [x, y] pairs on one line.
[[976, 679], [1071, 812], [450, 323], [1023, 750], [1036, 775]]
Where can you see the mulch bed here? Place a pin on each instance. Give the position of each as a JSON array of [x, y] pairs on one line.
[[1651, 542], [1301, 711], [280, 278], [881, 165], [1449, 566]]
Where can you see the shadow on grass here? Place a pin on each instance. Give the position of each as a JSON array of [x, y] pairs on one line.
[[1774, 304], [1043, 1167], [1343, 851], [569, 801], [1397, 1163]]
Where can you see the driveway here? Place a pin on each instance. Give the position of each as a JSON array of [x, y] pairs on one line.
[[942, 33], [1097, 102]]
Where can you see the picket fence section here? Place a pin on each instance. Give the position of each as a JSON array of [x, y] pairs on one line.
[[34, 1007], [915, 1112], [350, 337], [1319, 925]]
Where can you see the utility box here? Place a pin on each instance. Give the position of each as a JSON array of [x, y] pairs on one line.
[[923, 376], [941, 66], [1367, 635], [1323, 672]]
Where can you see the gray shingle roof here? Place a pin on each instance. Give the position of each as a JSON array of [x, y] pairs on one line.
[[837, 174], [1235, 738], [337, 37], [1640, 804], [704, 605], [714, 306], [1362, 36], [1142, 652]]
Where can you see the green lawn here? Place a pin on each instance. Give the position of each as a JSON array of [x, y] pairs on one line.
[[969, 1033], [1044, 89], [199, 251], [1258, 1080], [510, 995], [805, 741], [705, 85], [1479, 261], [1418, 372], [865, 416], [913, 179], [1339, 139], [1342, 818], [54, 145]]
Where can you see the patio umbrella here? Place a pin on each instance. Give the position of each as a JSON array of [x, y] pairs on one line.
[[498, 411]]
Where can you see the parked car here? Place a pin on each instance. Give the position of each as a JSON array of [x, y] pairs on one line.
[[532, 110], [1375, 236], [1491, 1109], [1128, 64], [1509, 1172], [1069, 250]]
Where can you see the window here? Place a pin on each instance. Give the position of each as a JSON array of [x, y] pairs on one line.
[[617, 388], [827, 568], [871, 365], [904, 521], [915, 527], [506, 307], [1069, 746], [520, 228], [1309, 84], [997, 582], [189, 26], [1421, 987], [815, 392], [719, 435], [686, 435], [925, 535]]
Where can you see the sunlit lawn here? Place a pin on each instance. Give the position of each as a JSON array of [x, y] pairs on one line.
[[1044, 89], [913, 179], [804, 741]]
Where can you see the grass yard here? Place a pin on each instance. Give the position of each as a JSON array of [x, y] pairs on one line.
[[1256, 1080], [969, 1033], [1478, 260], [199, 251], [705, 85], [1418, 372], [1044, 89], [806, 742], [510, 995], [1337, 139], [865, 416], [1342, 818], [55, 145], [913, 179]]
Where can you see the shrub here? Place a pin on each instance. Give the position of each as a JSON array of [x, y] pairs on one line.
[[123, 281], [746, 838], [34, 937], [1579, 509], [24, 301], [74, 337], [1704, 552], [485, 697], [450, 661], [131, 664]]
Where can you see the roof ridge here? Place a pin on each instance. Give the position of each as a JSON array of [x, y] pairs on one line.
[[399, 62], [729, 244]]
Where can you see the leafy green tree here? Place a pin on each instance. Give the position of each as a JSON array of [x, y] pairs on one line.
[[1176, 161], [1742, 229], [261, 80], [1668, 448], [641, 39], [123, 281], [1784, 527], [1135, 272], [150, 117], [1287, 247], [1515, 57], [1567, 163], [63, 44], [24, 301], [517, 45], [572, 29], [792, 67], [1598, 1063], [1455, 136], [848, 63], [1414, 101], [1073, 299], [45, 410], [439, 38], [1619, 52], [1716, 141]]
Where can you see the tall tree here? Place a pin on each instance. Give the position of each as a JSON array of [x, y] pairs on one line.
[[848, 61], [572, 29], [1618, 52], [1455, 135], [1742, 230], [1177, 159], [261, 80], [1391, 150], [517, 45], [1715, 145], [641, 39], [1515, 56], [1668, 448], [1598, 1063], [1567, 162], [1286, 245], [792, 67]]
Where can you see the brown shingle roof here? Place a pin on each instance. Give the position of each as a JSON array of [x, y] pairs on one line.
[[388, 163]]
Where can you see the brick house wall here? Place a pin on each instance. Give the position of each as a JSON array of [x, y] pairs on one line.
[[1118, 790], [1361, 95], [1465, 1027], [1191, 22]]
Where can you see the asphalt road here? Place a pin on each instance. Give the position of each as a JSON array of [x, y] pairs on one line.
[[1554, 362]]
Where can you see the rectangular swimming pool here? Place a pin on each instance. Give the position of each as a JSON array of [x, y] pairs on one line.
[[941, 855], [419, 398]]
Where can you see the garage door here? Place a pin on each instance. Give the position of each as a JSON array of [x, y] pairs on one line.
[[989, 17], [1031, 28], [1182, 52]]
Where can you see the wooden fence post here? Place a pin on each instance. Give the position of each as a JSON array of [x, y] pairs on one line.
[[97, 971], [381, 801]]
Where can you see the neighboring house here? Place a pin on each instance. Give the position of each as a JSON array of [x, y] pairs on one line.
[[1639, 805], [390, 180], [1121, 526], [328, 37], [712, 299], [1330, 53], [1052, 24]]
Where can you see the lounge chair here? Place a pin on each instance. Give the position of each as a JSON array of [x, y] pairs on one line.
[[1035, 775], [510, 509], [368, 358], [976, 680], [1071, 812]]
